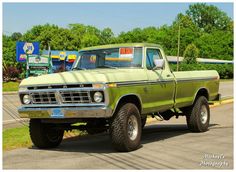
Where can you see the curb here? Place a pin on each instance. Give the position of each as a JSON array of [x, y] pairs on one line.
[[9, 93], [12, 121], [221, 102]]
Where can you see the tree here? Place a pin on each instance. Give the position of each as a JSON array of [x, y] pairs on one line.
[[107, 36], [9, 51], [135, 35], [84, 36], [217, 45], [191, 54], [208, 17], [11, 68], [188, 33], [16, 36]]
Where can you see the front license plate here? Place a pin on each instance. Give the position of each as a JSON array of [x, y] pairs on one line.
[[57, 113]]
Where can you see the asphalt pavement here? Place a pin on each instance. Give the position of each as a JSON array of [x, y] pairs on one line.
[[11, 102], [165, 145], [226, 89]]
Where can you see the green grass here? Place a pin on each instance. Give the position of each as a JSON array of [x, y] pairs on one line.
[[14, 138], [10, 86]]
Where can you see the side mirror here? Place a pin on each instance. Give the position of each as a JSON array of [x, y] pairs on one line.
[[159, 64]]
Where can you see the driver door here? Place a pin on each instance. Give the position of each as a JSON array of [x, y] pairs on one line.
[[161, 85]]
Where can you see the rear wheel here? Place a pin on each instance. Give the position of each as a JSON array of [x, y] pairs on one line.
[[125, 128], [44, 135], [198, 117]]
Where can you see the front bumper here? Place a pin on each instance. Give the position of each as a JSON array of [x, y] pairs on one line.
[[65, 112]]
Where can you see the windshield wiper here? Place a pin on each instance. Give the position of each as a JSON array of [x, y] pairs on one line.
[[107, 66]]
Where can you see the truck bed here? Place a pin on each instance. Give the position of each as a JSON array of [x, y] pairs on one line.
[[188, 83]]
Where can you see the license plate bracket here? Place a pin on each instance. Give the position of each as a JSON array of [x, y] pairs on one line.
[[57, 113]]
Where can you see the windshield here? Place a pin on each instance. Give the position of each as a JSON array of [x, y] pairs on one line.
[[109, 58]]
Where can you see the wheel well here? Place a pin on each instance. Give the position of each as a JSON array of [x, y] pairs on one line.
[[202, 92], [130, 99]]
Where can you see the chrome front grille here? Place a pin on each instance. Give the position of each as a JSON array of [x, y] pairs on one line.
[[75, 97], [61, 97], [43, 98]]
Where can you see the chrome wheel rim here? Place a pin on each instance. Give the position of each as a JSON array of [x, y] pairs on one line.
[[203, 114], [132, 127]]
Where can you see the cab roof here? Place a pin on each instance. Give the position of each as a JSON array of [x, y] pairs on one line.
[[121, 45]]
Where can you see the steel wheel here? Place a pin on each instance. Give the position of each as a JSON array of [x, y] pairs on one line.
[[132, 127], [203, 114]]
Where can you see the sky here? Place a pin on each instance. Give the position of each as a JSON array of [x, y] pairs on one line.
[[20, 17]]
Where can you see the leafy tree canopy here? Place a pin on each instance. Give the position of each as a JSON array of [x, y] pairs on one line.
[[203, 26], [208, 17], [191, 54]]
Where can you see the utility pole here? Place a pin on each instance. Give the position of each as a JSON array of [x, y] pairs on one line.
[[178, 48]]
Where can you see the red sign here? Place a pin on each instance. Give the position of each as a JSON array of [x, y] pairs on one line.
[[126, 52]]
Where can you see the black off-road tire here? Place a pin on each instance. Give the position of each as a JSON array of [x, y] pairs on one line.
[[44, 135], [194, 118], [143, 121], [120, 138]]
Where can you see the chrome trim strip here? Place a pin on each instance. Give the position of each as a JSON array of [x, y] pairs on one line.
[[163, 81], [131, 83], [63, 105], [143, 82], [195, 79]]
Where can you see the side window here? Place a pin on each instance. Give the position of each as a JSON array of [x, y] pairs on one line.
[[138, 56], [152, 54]]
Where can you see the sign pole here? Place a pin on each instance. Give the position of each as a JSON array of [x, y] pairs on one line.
[[27, 65], [178, 48]]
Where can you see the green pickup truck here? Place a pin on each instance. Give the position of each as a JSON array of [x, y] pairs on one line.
[[114, 88]]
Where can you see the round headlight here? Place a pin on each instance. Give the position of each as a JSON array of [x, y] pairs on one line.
[[26, 99], [98, 97]]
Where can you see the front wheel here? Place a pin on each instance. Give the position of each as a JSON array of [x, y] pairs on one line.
[[125, 128], [143, 121], [44, 135], [199, 116]]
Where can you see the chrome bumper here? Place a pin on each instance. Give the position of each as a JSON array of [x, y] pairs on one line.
[[65, 112]]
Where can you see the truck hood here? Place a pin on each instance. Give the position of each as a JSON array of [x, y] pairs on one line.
[[87, 76]]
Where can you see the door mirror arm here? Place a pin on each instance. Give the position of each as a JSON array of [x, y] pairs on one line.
[[159, 64]]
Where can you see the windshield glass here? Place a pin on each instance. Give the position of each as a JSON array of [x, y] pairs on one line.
[[109, 58]]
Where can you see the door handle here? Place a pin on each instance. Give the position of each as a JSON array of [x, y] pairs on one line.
[[168, 75]]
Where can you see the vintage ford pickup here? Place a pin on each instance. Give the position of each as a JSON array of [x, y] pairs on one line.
[[113, 88]]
